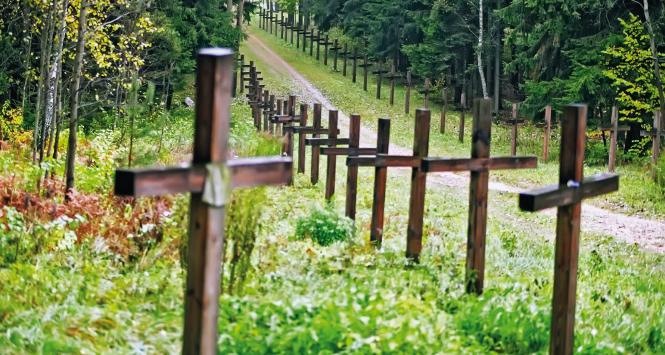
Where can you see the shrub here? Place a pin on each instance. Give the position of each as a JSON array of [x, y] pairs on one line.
[[325, 226], [596, 154], [242, 228]]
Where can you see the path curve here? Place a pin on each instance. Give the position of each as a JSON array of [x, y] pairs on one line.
[[648, 233]]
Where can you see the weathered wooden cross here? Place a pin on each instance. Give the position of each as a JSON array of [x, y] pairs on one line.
[[567, 196], [209, 180], [312, 38], [300, 31], [366, 66], [292, 129], [354, 67], [326, 43], [548, 132], [316, 142], [352, 172], [345, 57], [336, 49], [444, 109], [407, 94], [614, 130], [318, 44], [514, 122], [461, 116]]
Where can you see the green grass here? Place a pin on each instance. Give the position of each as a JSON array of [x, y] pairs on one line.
[[638, 194]]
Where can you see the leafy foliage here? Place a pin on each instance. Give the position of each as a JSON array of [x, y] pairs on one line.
[[325, 226]]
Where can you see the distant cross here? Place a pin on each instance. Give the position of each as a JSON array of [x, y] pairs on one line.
[[513, 123], [656, 133], [293, 129], [548, 132], [301, 32], [209, 180], [318, 44], [326, 43], [426, 90], [305, 35], [392, 76], [379, 72], [336, 49], [331, 141], [366, 67], [407, 95], [311, 42], [345, 57], [354, 68], [352, 172], [461, 118], [614, 130], [567, 196], [444, 109]]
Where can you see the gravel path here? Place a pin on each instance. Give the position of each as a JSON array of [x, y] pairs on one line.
[[648, 233]]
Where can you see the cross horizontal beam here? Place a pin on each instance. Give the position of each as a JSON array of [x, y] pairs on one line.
[[326, 141], [247, 172], [310, 130], [384, 161], [432, 165], [555, 195], [347, 151]]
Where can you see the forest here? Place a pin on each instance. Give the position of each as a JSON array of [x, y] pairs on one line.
[[94, 89]]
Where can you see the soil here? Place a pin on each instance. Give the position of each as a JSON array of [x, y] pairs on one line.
[[647, 233]]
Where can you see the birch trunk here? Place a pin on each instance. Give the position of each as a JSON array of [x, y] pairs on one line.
[[479, 53], [74, 100], [654, 54]]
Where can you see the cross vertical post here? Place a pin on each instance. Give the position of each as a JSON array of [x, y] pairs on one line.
[[276, 126], [354, 70], [444, 109], [316, 150], [300, 31], [271, 111], [266, 109], [318, 44], [352, 173], [414, 231], [380, 179], [311, 42], [301, 139], [346, 55], [480, 149], [407, 96], [331, 160], [614, 137], [365, 69], [548, 132], [336, 49], [461, 118], [325, 51]]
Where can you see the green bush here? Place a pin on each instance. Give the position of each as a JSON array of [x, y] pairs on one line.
[[325, 226], [596, 154]]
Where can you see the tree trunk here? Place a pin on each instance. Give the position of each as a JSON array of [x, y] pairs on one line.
[[44, 52], [74, 99], [479, 53], [497, 61], [654, 54], [239, 13], [54, 74]]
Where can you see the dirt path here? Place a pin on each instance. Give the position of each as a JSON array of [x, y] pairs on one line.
[[648, 233]]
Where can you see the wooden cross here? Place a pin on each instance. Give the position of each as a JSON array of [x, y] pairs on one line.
[[354, 68], [281, 25], [209, 180], [513, 123], [567, 196], [380, 179], [285, 120], [614, 130], [407, 95], [293, 129], [379, 72], [444, 109], [336, 49], [345, 56], [656, 133], [366, 66], [548, 132], [392, 76], [318, 44], [305, 35], [326, 43], [426, 90], [316, 142], [311, 42], [352, 172], [461, 116]]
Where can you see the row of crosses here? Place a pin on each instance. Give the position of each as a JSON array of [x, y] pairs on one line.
[[211, 177]]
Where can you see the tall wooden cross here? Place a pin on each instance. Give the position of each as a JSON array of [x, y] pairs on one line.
[[318, 44], [567, 196], [548, 132], [209, 180], [352, 172], [614, 130], [461, 116], [354, 67], [379, 72], [311, 41]]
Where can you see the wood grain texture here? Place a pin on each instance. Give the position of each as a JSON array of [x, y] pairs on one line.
[[414, 231], [316, 150], [331, 160], [380, 179], [301, 138], [352, 171]]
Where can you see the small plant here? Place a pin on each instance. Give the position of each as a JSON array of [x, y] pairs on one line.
[[325, 226], [660, 173]]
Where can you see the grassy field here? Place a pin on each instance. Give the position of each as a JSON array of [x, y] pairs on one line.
[[638, 194]]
